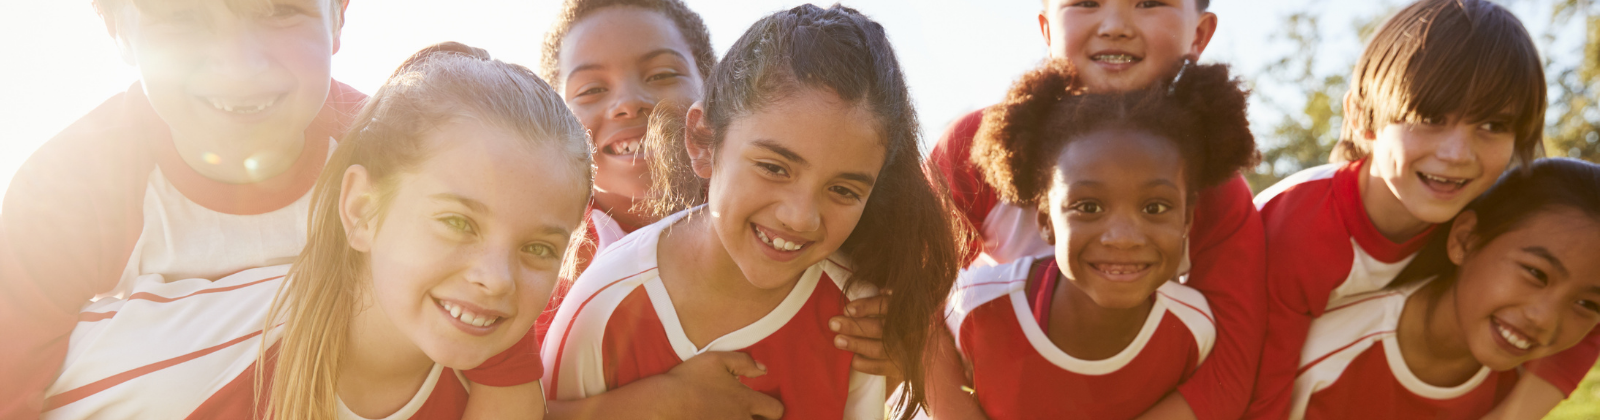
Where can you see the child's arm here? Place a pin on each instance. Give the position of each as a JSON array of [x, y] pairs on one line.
[[948, 380], [704, 387], [524, 401], [1532, 398], [1228, 256]]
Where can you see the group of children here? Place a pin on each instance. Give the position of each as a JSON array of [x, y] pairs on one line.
[[639, 229]]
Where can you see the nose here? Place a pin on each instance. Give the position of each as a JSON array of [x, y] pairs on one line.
[[1114, 25], [238, 52], [799, 213], [1544, 318], [1122, 232], [1456, 146], [631, 101], [491, 271]]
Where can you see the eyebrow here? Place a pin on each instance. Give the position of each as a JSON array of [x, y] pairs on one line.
[[1541, 252], [474, 205], [646, 57]]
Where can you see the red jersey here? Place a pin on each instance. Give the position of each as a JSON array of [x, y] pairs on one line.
[[1351, 368], [996, 315], [619, 325], [1316, 220], [1226, 263], [188, 349]]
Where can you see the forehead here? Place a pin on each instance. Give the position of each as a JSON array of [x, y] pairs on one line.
[[1119, 154], [619, 35], [235, 6], [515, 180], [823, 129], [1569, 234]]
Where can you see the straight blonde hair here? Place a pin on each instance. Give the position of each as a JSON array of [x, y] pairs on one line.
[[320, 295]]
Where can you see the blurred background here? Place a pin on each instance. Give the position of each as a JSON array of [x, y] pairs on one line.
[[959, 55]]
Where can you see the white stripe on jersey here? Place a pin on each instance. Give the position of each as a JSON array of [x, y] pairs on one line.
[[1324, 171]]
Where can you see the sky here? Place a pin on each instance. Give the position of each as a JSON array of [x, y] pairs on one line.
[[958, 55]]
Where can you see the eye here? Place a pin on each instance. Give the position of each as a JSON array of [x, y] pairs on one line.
[[590, 91], [1150, 4], [1537, 274], [539, 250], [1591, 306], [283, 10], [772, 169], [1088, 207], [845, 192], [457, 223], [666, 75], [1495, 127], [1156, 208], [1085, 4], [1430, 120]]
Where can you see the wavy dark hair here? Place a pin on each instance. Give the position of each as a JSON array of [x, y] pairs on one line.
[[687, 21], [1436, 58], [1544, 185], [906, 240], [1202, 112]]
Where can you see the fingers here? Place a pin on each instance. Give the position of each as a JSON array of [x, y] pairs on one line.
[[880, 367], [875, 306], [737, 363], [872, 349], [763, 405], [868, 328]]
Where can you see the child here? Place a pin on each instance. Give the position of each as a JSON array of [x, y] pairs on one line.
[[201, 169], [431, 249], [1120, 45], [1519, 283], [1426, 133], [805, 151], [1100, 330]]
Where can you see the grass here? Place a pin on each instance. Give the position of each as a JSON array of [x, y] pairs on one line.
[[1584, 403]]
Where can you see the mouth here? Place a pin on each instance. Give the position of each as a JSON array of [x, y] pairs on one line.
[[627, 142], [622, 148], [1115, 58], [1441, 183], [777, 246], [1121, 272], [242, 105], [471, 320], [1511, 338]]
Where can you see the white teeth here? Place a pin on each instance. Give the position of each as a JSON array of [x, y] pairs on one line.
[[1115, 58], [1513, 338], [1443, 180], [781, 244], [242, 108], [468, 317], [625, 148], [778, 243]]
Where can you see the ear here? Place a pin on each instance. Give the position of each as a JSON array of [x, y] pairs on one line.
[[1047, 230], [338, 26], [1459, 243], [357, 200], [1044, 25], [1351, 107], [115, 28], [1203, 31], [695, 140]]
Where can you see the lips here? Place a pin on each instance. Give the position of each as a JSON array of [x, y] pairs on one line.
[[1512, 339], [470, 318], [624, 143], [1442, 184], [1121, 271], [1115, 59], [241, 105], [781, 246]]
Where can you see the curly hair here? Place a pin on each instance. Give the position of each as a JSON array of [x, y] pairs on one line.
[[687, 22], [1202, 112]]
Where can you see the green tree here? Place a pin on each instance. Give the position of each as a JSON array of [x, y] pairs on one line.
[[1574, 114]]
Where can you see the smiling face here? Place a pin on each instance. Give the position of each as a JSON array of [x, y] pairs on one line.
[[1531, 292], [237, 82], [467, 252], [1435, 169], [617, 64], [789, 183], [1121, 45], [1116, 207]]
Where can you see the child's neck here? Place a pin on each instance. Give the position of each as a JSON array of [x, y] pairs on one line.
[[620, 208], [1085, 330], [709, 291], [1431, 340], [239, 161], [1385, 210], [380, 369]]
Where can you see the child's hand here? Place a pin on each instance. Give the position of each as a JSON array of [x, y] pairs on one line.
[[861, 332], [707, 387]]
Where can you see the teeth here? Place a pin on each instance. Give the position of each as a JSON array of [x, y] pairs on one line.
[[778, 243], [1513, 338], [468, 317], [1443, 180], [1115, 58], [625, 148], [1121, 268], [242, 108]]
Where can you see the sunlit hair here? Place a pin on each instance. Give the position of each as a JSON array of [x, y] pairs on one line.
[[1202, 112], [1545, 185], [114, 8], [1438, 58], [906, 240], [1200, 5], [439, 84], [686, 21]]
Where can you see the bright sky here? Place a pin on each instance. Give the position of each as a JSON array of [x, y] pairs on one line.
[[959, 55]]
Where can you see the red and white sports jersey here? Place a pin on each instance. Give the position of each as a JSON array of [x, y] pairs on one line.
[[188, 349], [1326, 253], [1017, 372], [1351, 368], [1226, 261], [618, 325]]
